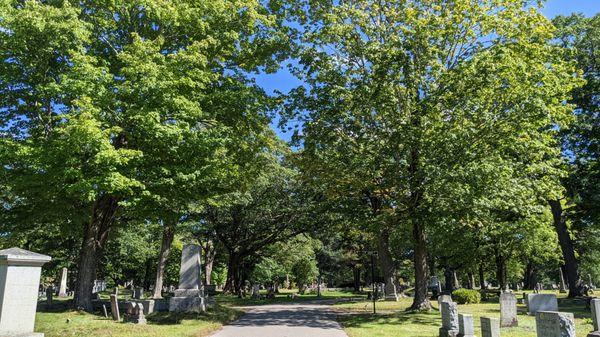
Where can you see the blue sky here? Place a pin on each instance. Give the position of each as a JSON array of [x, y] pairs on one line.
[[284, 81]]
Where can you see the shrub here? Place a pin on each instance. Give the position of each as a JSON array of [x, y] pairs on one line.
[[466, 296]]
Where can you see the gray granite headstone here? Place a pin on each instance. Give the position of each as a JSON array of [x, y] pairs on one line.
[[490, 327], [443, 298], [508, 310], [595, 308], [541, 302], [450, 324], [465, 326], [189, 297], [138, 293], [555, 324]]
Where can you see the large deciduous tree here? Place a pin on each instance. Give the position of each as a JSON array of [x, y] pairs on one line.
[[437, 96], [127, 103]]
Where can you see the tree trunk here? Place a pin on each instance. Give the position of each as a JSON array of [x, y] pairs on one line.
[[530, 276], [95, 236], [481, 277], [165, 249], [568, 251], [448, 280], [420, 301], [232, 285], [501, 270], [209, 259], [470, 280], [386, 261], [356, 274]]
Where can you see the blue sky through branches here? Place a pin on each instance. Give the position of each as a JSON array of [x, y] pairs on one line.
[[284, 81]]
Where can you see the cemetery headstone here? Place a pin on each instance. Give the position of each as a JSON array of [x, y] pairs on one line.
[[114, 307], [554, 324], [541, 302], [443, 298], [135, 313], [256, 291], [104, 311], [465, 326], [490, 327], [62, 291], [138, 293], [508, 310], [595, 308], [563, 286], [450, 324], [189, 297], [391, 293], [20, 272]]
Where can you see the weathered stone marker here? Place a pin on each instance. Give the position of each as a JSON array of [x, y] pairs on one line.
[[114, 307], [490, 327], [595, 307], [138, 293], [20, 272], [449, 312], [563, 286], [189, 297], [541, 302], [465, 326], [391, 293], [256, 291], [555, 324], [508, 310], [135, 313], [443, 298], [49, 295], [62, 290]]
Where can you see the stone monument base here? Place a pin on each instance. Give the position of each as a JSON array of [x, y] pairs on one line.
[[448, 333], [187, 304]]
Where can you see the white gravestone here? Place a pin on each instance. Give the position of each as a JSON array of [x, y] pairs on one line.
[[20, 272], [449, 319], [189, 297], [490, 327], [554, 324], [465, 326], [508, 310], [62, 290], [595, 307], [541, 302]]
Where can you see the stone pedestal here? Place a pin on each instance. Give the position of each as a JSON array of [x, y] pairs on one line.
[[62, 290], [20, 272], [554, 324], [189, 297]]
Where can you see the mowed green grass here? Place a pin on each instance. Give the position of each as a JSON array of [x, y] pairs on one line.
[[392, 319], [59, 321]]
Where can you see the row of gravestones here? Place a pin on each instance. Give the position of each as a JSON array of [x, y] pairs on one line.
[[549, 322], [20, 272]]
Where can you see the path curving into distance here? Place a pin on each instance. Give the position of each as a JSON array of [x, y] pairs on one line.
[[285, 320]]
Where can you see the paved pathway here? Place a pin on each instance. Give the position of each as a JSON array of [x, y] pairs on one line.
[[285, 320]]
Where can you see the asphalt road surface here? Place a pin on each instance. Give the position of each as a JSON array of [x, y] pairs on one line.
[[285, 320]]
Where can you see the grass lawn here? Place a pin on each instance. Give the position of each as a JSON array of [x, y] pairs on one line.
[[53, 322], [391, 319], [285, 296]]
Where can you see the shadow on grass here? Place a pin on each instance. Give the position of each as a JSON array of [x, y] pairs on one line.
[[357, 320], [217, 314]]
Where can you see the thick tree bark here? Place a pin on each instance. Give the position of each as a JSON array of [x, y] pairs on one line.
[[95, 236], [385, 260], [232, 284], [568, 250], [530, 276], [209, 259], [165, 249], [448, 280], [421, 300], [501, 270], [481, 277], [470, 280], [356, 274]]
